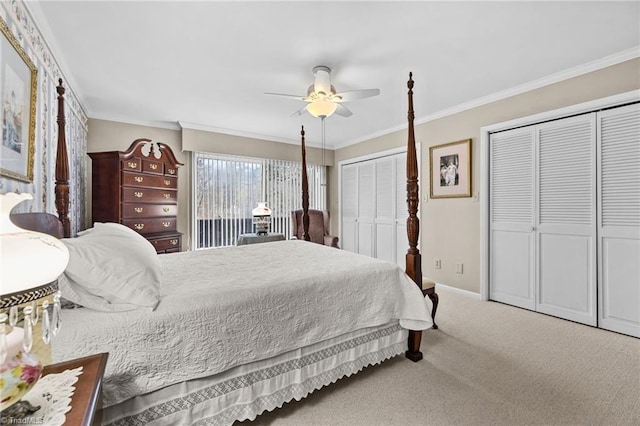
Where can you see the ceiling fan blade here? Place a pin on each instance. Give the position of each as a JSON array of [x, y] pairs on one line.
[[322, 81], [298, 97], [343, 111], [299, 112], [355, 95]]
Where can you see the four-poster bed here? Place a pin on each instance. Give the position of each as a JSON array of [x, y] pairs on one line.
[[228, 337]]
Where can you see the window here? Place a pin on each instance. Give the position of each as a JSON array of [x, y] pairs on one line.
[[227, 188]]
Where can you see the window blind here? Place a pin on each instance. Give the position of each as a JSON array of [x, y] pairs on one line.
[[227, 188]]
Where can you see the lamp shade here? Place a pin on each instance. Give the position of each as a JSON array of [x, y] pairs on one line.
[[28, 259], [261, 218], [261, 210], [321, 108]]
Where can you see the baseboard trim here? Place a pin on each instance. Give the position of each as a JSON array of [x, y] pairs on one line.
[[457, 290]]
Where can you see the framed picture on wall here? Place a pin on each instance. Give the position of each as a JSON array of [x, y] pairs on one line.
[[451, 169], [18, 88]]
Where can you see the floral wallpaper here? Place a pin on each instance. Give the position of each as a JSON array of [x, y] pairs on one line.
[[22, 25]]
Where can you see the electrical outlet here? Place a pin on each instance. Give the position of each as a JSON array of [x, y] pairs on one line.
[[459, 267], [437, 264]]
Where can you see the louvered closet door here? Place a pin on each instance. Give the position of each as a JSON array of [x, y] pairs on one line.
[[512, 242], [401, 208], [349, 203], [384, 222], [619, 219], [366, 208], [566, 230], [374, 208]]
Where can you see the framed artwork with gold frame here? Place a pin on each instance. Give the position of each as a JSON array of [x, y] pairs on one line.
[[451, 169], [18, 88]]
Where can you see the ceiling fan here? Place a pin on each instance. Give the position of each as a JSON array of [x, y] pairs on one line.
[[322, 98]]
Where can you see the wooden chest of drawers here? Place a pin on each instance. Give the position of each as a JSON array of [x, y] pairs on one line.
[[139, 188]]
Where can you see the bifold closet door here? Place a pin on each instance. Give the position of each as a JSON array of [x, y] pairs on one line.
[[374, 208], [358, 207], [391, 209], [619, 219], [384, 222], [512, 231], [349, 206], [366, 208], [566, 228], [565, 218]]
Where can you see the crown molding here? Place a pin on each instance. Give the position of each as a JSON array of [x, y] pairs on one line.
[[169, 125], [211, 129]]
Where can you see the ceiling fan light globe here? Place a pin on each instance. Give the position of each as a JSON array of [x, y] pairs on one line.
[[321, 108]]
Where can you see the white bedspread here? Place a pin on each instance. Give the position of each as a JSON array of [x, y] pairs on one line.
[[224, 307]]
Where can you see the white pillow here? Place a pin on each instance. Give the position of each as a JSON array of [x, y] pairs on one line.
[[111, 268]]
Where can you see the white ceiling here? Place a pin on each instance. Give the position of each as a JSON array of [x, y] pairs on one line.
[[207, 64]]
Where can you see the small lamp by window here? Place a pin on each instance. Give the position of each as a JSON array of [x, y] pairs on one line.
[[262, 218], [30, 264]]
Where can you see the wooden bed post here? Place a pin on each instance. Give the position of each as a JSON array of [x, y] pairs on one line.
[[62, 167], [305, 192], [413, 258]]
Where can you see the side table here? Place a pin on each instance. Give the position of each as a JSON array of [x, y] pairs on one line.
[[245, 239], [429, 289], [86, 403]]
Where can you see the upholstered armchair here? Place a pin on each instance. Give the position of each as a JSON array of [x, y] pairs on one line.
[[318, 227]]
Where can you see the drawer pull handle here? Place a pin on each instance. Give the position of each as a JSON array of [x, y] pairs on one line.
[[137, 194], [132, 165], [174, 242], [172, 171], [138, 209], [138, 179], [138, 226], [166, 224], [167, 182], [165, 209], [167, 196], [153, 166]]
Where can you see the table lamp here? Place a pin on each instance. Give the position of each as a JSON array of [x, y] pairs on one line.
[[261, 218], [30, 264]]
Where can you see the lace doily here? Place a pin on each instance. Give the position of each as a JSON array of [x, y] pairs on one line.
[[53, 394]]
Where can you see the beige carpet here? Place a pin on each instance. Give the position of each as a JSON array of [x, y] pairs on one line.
[[488, 364]]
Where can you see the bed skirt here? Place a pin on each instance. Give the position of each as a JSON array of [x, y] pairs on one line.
[[248, 390]]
